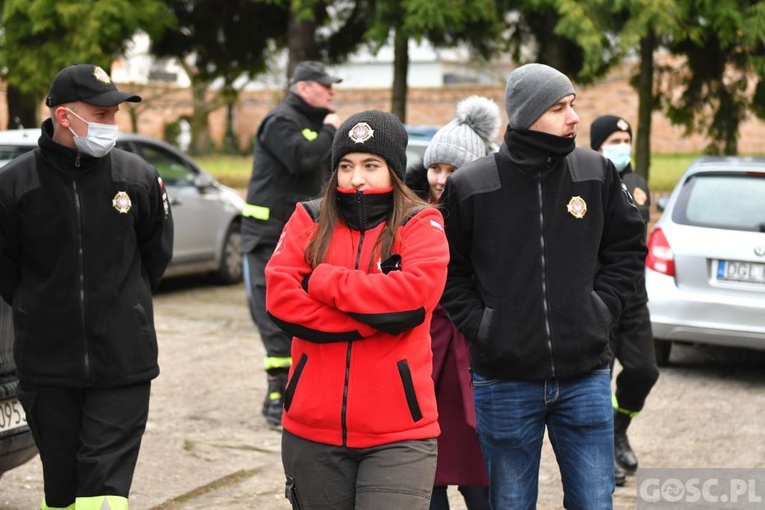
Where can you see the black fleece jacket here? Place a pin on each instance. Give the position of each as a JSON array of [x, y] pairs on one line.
[[534, 288], [292, 160], [82, 243]]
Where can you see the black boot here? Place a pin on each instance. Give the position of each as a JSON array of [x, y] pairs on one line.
[[620, 477], [273, 403], [623, 453]]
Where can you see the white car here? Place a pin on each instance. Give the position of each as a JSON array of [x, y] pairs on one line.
[[705, 270], [206, 215]]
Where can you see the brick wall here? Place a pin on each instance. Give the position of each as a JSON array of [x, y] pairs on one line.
[[163, 105], [436, 106]]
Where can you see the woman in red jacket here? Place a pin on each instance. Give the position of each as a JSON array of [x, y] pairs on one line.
[[355, 278]]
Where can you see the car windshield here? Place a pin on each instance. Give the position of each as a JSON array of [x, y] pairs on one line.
[[8, 152], [726, 201]]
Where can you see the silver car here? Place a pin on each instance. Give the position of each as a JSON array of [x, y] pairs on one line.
[[206, 215], [705, 270]]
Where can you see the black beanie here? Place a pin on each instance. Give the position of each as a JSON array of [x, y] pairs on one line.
[[603, 126], [375, 132]]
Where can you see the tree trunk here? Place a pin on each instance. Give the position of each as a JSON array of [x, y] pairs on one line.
[[301, 41], [133, 113], [201, 143], [728, 119], [646, 104], [230, 140], [22, 109], [400, 71]]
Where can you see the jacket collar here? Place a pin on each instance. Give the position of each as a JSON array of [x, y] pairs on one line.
[[533, 152], [60, 156], [627, 169], [363, 210], [314, 113]]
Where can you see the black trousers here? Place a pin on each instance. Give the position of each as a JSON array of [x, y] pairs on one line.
[[88, 438], [632, 344], [277, 343], [476, 497]]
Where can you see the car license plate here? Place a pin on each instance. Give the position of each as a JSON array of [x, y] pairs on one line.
[[11, 415], [734, 271]]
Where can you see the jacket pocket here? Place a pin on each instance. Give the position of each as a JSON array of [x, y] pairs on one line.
[[19, 341], [602, 321], [289, 392], [602, 309], [485, 326], [146, 329], [411, 396]]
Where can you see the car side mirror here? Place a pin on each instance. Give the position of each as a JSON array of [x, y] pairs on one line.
[[661, 203], [203, 180]]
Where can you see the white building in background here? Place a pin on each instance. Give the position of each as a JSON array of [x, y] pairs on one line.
[[138, 66], [428, 67]]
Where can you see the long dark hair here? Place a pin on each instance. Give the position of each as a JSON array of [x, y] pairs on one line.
[[405, 205]]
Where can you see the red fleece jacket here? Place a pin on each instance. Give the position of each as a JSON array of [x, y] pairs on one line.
[[351, 383]]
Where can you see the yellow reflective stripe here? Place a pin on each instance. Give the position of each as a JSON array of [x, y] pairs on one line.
[[102, 503], [310, 134], [256, 211], [273, 362], [618, 409], [44, 506]]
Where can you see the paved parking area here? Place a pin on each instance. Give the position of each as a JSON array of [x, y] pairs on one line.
[[206, 445]]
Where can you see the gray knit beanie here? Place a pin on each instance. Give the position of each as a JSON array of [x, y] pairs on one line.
[[531, 90], [467, 137], [375, 132]]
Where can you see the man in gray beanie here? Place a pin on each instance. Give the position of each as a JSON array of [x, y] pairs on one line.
[[531, 90], [546, 246]]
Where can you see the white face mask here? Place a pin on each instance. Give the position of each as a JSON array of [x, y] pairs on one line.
[[99, 141], [618, 154]]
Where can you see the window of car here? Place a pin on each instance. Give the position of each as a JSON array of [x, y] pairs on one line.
[[8, 152], [414, 155], [171, 168], [731, 201]]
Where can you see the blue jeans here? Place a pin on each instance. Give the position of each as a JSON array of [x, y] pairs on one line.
[[511, 419]]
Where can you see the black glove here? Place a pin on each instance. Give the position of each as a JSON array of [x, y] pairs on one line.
[[392, 263]]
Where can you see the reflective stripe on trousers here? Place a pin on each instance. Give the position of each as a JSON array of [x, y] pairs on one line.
[[93, 503]]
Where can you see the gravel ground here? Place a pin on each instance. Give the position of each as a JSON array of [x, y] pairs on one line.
[[206, 445]]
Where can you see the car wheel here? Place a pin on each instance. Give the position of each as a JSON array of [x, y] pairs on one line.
[[231, 260], [662, 348]]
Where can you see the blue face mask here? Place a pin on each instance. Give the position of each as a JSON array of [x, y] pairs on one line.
[[618, 154]]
